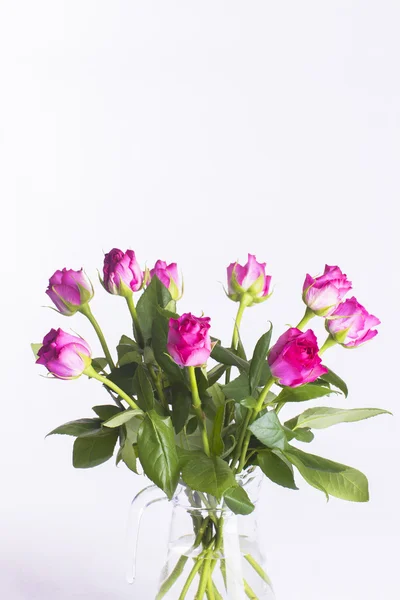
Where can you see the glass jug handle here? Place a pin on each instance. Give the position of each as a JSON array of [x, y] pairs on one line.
[[145, 498]]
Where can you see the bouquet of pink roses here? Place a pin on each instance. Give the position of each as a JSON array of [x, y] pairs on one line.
[[199, 426]]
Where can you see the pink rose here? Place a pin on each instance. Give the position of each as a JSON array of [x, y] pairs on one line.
[[322, 294], [122, 273], [65, 356], [294, 359], [351, 325], [189, 341], [249, 281], [69, 290], [169, 276]]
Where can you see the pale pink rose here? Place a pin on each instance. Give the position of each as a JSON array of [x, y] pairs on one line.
[[189, 341], [351, 325], [250, 279], [169, 276], [122, 272], [70, 290], [322, 294], [65, 356], [294, 359]]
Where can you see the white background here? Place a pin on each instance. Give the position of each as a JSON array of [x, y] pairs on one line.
[[196, 132]]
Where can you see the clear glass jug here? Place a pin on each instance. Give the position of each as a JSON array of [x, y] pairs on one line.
[[212, 553]]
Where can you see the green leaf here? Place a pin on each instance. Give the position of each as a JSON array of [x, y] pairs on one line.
[[301, 434], [192, 425], [155, 295], [144, 389], [123, 378], [334, 479], [269, 431], [276, 469], [211, 475], [335, 380], [237, 500], [238, 389], [94, 448], [202, 381], [122, 417], [213, 400], [321, 417], [265, 374], [258, 360], [128, 455], [181, 402], [249, 402], [131, 429], [241, 352], [157, 452], [215, 374], [106, 411], [303, 393], [185, 455], [227, 357], [217, 445], [99, 364], [35, 349], [78, 427], [159, 344], [128, 354]]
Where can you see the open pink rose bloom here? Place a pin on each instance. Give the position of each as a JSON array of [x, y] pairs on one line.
[[294, 359], [189, 341]]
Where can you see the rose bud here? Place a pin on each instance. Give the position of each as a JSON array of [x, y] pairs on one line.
[[189, 341], [248, 283], [322, 294], [169, 276], [122, 273], [294, 359], [70, 290], [65, 356], [351, 325]]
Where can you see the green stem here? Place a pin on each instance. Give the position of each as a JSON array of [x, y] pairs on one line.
[[258, 568], [250, 418], [238, 320], [204, 577], [249, 592], [210, 589], [222, 567], [198, 410], [216, 593], [91, 372], [180, 565], [86, 310], [157, 382], [136, 325], [235, 335], [308, 315], [239, 445], [329, 342], [189, 580]]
